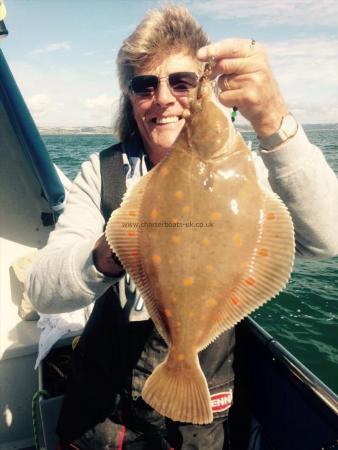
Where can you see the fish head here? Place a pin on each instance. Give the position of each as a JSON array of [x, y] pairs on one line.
[[207, 128]]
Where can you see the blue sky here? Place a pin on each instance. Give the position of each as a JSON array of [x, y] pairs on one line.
[[62, 53]]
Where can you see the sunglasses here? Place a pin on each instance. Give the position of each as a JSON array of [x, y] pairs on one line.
[[180, 83]]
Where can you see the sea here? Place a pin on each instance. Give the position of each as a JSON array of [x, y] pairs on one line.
[[304, 317]]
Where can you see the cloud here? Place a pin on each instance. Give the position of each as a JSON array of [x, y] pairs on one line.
[[269, 13], [306, 71], [65, 96], [306, 60], [102, 101], [42, 106], [39, 104], [52, 48], [307, 111], [101, 107]]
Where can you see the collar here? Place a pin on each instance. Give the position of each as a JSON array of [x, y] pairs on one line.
[[135, 160]]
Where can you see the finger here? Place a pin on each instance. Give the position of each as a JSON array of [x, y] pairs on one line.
[[228, 48], [226, 83], [244, 81], [237, 66], [231, 98], [244, 99]]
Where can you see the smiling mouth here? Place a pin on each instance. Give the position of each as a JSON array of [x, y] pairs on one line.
[[164, 120]]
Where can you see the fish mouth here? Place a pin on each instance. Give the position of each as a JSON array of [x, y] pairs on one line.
[[165, 120]]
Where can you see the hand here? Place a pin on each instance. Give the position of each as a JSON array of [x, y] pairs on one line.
[[246, 81], [105, 260]]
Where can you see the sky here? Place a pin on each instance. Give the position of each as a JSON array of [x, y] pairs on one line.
[[62, 52]]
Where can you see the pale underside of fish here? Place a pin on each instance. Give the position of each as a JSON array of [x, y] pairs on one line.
[[205, 245]]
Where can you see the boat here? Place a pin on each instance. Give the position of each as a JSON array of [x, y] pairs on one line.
[[278, 403]]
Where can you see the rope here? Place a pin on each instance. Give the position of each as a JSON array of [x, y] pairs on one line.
[[121, 438], [57, 370], [43, 393]]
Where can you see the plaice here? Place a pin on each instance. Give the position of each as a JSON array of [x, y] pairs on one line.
[[205, 245]]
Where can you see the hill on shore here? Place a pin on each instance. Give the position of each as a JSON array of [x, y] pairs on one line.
[[51, 131]]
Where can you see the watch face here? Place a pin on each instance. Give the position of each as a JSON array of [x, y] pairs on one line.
[[290, 125]]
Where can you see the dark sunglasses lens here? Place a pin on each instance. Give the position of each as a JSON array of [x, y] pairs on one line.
[[180, 83], [183, 81], [144, 85]]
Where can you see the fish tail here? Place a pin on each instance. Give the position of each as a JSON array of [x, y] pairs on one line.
[[180, 393]]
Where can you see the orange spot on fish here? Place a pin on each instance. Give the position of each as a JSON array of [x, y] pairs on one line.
[[188, 281], [234, 300], [154, 214], [211, 302], [180, 357], [176, 239], [168, 312], [270, 216], [206, 242], [133, 253], [186, 209], [237, 240], [131, 233], [263, 252], [132, 213], [179, 195], [215, 215], [209, 268], [250, 281], [156, 259], [174, 220], [164, 171]]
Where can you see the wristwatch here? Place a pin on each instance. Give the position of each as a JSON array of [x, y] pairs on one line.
[[287, 129]]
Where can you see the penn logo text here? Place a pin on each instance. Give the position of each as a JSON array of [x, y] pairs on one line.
[[221, 401]]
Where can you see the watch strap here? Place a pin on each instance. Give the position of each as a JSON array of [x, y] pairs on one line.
[[287, 129]]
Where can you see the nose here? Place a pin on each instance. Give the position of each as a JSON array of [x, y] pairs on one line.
[[163, 95]]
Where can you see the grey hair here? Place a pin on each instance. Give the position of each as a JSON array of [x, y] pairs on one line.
[[163, 31]]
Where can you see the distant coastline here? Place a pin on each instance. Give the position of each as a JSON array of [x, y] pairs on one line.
[[56, 131]]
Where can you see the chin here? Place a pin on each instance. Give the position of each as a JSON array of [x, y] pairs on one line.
[[163, 147], [165, 141]]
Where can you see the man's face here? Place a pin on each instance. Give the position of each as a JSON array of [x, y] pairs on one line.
[[159, 118]]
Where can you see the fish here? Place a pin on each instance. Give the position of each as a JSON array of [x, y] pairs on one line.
[[205, 245]]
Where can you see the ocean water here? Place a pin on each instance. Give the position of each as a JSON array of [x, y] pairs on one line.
[[304, 317]]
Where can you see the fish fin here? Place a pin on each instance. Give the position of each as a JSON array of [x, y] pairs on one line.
[[268, 270], [122, 234], [182, 395]]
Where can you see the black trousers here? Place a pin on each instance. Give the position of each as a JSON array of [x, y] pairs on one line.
[[159, 435], [103, 407]]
